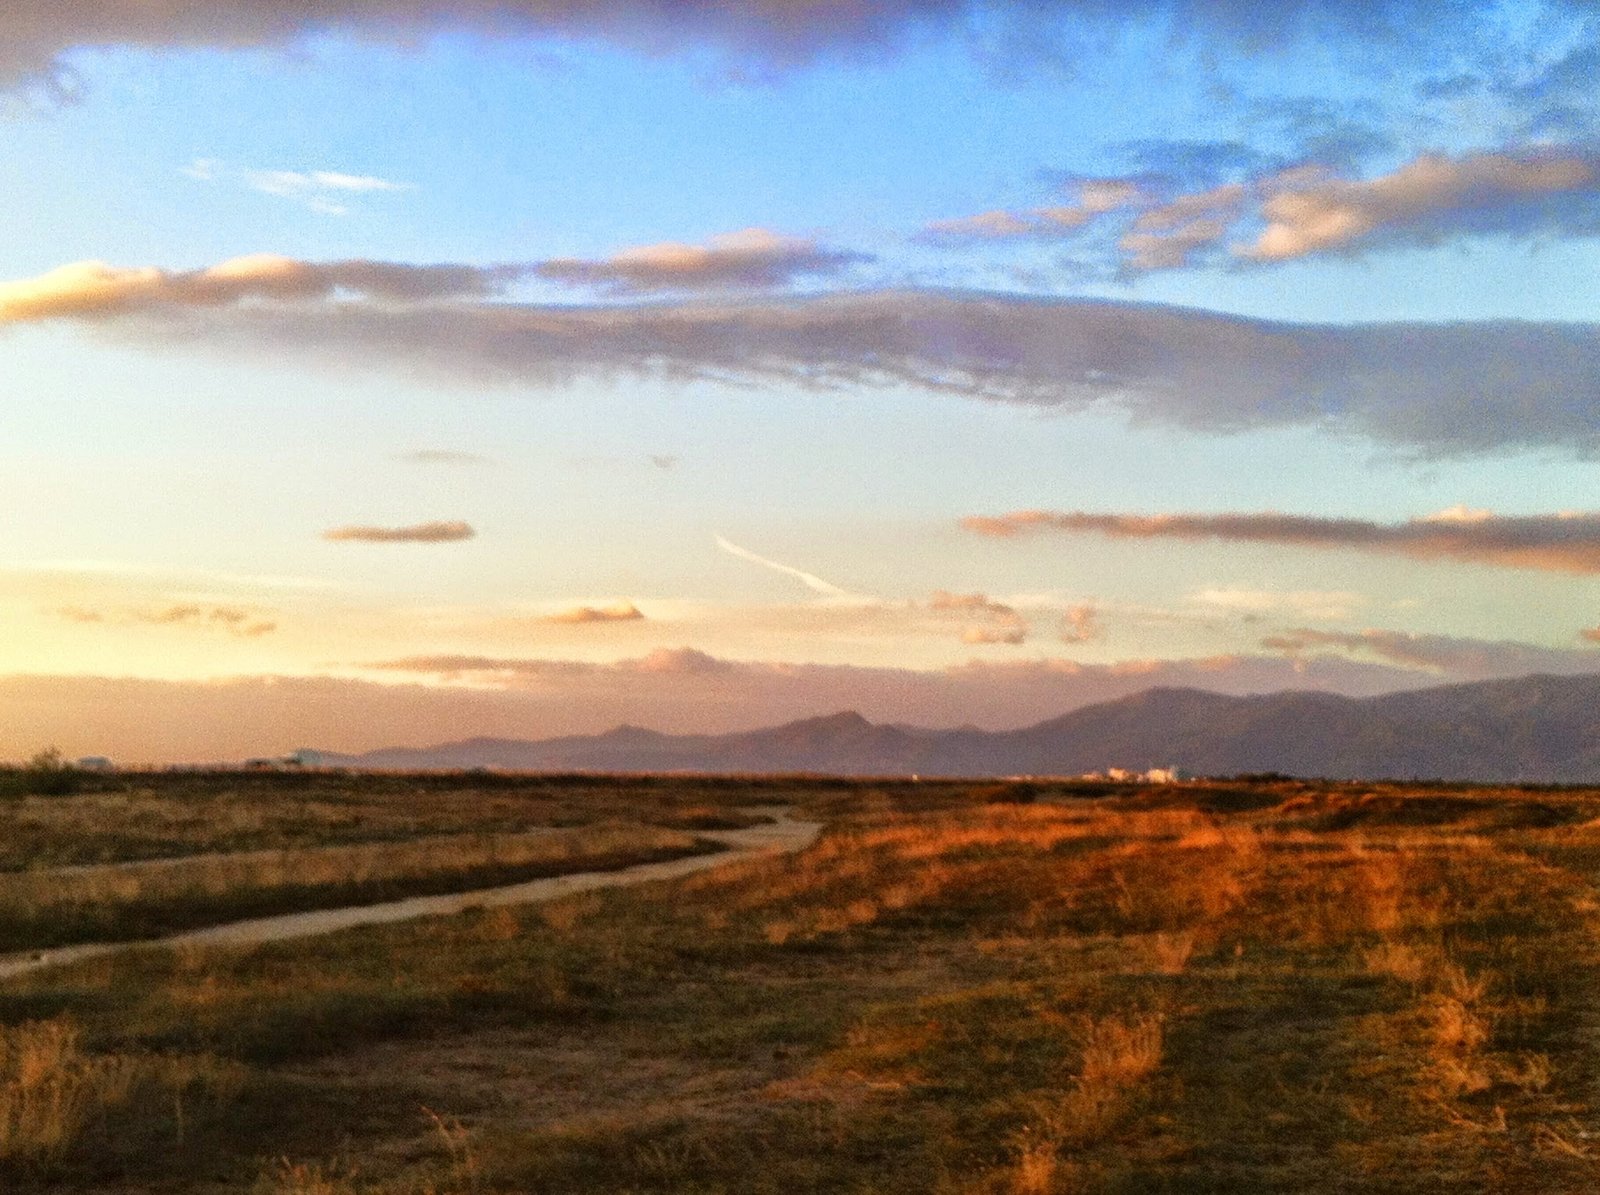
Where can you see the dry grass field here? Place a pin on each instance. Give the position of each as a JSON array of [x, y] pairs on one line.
[[139, 816], [973, 988]]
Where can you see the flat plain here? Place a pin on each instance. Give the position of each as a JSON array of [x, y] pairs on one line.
[[1253, 985]]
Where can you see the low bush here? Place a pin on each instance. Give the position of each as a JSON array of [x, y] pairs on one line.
[[46, 774]]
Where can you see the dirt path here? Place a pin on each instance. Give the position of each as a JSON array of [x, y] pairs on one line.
[[781, 836]]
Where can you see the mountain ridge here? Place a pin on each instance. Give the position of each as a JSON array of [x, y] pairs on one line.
[[1537, 729]]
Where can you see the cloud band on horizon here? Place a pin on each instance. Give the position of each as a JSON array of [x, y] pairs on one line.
[[1445, 655]]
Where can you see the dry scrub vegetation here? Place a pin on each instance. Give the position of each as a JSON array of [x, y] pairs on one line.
[[1264, 987]]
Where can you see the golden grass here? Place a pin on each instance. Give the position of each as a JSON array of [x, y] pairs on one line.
[[306, 1178], [52, 1091]]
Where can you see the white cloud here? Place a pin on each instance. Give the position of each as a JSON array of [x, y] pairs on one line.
[[323, 191], [1322, 605]]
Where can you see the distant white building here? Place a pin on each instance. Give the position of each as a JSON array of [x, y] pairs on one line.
[[95, 763], [1169, 775], [304, 757]]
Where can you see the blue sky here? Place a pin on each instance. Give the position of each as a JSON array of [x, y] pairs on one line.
[[824, 288]]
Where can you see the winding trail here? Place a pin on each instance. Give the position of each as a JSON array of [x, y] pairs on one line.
[[784, 835]]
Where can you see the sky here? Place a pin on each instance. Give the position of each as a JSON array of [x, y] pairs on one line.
[[375, 372]]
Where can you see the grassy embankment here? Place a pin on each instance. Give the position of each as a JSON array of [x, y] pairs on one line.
[[223, 846], [134, 816], [40, 908], [1281, 987]]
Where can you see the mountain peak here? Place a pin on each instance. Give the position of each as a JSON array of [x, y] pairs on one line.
[[843, 720]]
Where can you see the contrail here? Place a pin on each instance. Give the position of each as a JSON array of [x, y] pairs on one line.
[[809, 580]]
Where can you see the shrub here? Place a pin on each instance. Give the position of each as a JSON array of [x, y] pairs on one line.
[[47, 774]]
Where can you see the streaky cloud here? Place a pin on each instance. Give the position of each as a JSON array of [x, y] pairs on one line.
[[1445, 655], [810, 580], [578, 615], [443, 456], [752, 259], [88, 290], [1095, 197], [1562, 543], [419, 533], [1299, 208], [232, 620]]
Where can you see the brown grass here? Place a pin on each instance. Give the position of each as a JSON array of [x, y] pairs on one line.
[[47, 908], [1278, 987], [52, 1091]]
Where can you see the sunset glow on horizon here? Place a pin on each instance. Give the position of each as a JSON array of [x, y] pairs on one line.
[[523, 369]]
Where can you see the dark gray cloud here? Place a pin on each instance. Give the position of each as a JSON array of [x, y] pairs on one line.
[[1426, 389], [1564, 543], [34, 34], [420, 533]]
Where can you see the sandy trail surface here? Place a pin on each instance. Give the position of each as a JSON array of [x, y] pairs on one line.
[[780, 836]]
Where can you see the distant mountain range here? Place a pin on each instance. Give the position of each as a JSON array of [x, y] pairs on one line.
[[1535, 728]]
